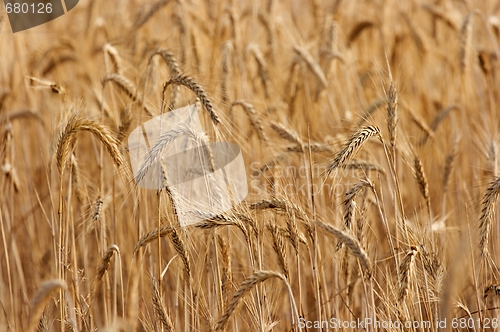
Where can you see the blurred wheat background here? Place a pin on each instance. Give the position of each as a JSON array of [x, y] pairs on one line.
[[369, 131]]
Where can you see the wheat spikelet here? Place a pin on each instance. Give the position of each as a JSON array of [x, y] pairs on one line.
[[125, 122], [159, 308], [155, 152], [226, 266], [442, 114], [352, 146], [466, 48], [262, 66], [279, 247], [405, 272], [43, 324], [169, 59], [493, 157], [280, 205], [180, 247], [227, 49], [143, 17], [42, 297], [313, 146], [287, 133], [357, 29], [422, 181], [75, 175], [98, 209], [77, 123], [487, 213], [222, 220], [175, 70], [392, 114], [106, 259], [421, 124], [363, 165], [191, 84], [129, 88], [349, 201], [111, 52], [449, 164], [253, 116], [271, 40], [313, 65], [444, 15], [244, 289], [351, 242], [151, 236]]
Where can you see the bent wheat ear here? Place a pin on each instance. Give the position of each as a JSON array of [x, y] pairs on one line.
[[106, 259], [129, 88], [198, 90], [114, 56], [405, 272], [79, 123], [287, 133], [349, 201], [244, 289], [351, 242], [41, 299], [153, 235], [352, 146], [487, 213], [253, 116]]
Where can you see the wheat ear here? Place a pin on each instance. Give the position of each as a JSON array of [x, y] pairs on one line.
[[353, 146], [351, 242], [487, 213], [405, 273], [191, 84], [79, 123], [244, 289]]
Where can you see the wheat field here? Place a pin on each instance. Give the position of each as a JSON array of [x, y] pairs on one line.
[[369, 132]]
